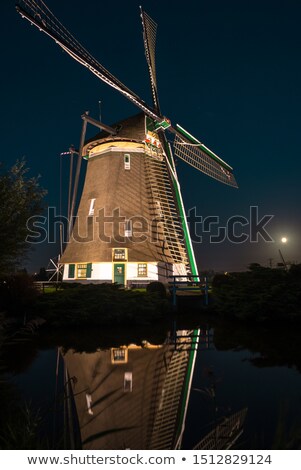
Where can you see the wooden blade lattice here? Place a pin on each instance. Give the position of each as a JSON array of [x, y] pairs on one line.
[[149, 35], [197, 158], [37, 12]]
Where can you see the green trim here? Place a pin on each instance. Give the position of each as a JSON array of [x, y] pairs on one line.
[[71, 271], [193, 266], [185, 396], [149, 124], [169, 155], [203, 148], [164, 124], [89, 270], [189, 247], [154, 126], [119, 278]]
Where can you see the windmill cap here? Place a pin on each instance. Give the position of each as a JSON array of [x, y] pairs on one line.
[[131, 129]]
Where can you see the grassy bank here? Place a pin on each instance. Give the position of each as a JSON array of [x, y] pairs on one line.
[[259, 295], [101, 304]]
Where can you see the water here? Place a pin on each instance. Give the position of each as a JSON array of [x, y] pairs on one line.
[[172, 395], [271, 394]]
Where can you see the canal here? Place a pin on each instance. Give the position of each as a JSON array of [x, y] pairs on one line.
[[178, 386]]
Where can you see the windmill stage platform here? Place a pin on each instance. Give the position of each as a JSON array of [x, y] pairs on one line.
[[190, 288]]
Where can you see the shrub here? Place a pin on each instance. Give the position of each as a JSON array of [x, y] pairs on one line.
[[158, 288]]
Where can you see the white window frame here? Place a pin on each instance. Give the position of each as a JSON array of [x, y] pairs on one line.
[[128, 228], [127, 161], [89, 403], [117, 358], [122, 253], [139, 266], [91, 208], [128, 382], [81, 270]]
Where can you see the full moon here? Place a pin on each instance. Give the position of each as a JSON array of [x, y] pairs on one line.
[[284, 239]]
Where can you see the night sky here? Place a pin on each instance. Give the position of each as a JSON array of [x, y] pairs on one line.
[[228, 71]]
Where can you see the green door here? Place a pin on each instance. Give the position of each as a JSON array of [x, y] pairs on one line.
[[119, 273]]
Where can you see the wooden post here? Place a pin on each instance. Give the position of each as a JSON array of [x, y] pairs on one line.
[[206, 292]]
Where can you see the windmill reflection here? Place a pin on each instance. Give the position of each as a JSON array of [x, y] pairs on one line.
[[135, 396]]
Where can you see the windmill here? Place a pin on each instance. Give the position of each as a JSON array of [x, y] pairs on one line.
[[54, 269], [131, 226]]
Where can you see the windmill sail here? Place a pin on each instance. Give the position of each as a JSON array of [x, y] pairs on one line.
[[196, 154], [38, 14], [149, 36], [225, 434]]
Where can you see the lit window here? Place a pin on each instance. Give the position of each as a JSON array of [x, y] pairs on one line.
[[142, 270], [119, 253], [91, 208], [128, 228], [119, 355], [84, 271], [127, 161]]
